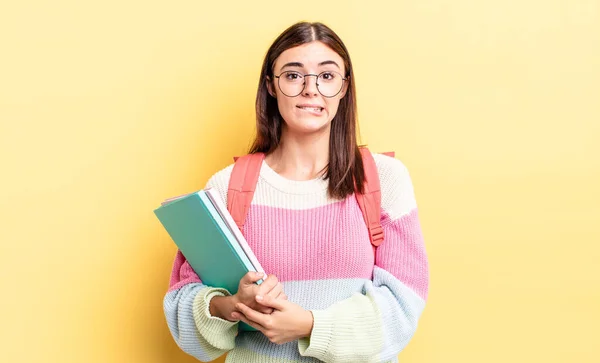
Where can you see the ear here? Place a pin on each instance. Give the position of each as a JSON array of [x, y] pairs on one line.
[[270, 87], [345, 88]]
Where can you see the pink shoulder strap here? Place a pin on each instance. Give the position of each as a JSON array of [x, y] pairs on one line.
[[246, 171], [242, 185], [370, 200]]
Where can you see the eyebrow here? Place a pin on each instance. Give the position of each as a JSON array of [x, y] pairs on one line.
[[298, 64]]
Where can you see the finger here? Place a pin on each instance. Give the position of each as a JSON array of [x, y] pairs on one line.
[[276, 291], [252, 277], [282, 296], [269, 301], [251, 314], [264, 309], [234, 316], [242, 317], [268, 284]]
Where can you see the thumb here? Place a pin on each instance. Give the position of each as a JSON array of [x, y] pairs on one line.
[[252, 277], [271, 302]]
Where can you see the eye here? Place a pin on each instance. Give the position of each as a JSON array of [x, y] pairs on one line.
[[328, 76], [292, 76]]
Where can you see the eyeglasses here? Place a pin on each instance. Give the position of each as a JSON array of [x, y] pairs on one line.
[[329, 83]]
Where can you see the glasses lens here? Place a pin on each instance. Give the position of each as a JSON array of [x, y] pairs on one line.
[[291, 83], [330, 83]]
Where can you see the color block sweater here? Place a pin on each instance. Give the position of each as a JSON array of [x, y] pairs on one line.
[[366, 304]]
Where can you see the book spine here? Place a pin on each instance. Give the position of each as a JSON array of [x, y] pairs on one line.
[[219, 205]]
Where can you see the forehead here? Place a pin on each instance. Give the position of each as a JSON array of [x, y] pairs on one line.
[[310, 55]]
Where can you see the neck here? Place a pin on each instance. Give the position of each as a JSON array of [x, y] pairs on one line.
[[300, 157]]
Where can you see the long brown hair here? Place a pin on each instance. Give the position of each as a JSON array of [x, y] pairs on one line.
[[345, 169]]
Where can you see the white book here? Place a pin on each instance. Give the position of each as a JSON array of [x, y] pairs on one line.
[[214, 197]]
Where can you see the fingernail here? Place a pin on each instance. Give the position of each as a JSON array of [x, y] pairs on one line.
[[259, 297]]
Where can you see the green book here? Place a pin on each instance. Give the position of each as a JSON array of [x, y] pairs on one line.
[[199, 229]]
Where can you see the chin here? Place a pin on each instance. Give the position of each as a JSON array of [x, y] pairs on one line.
[[311, 126]]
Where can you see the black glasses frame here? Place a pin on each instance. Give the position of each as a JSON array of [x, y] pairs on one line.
[[317, 82]]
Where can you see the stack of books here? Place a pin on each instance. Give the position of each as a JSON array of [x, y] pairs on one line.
[[206, 234]]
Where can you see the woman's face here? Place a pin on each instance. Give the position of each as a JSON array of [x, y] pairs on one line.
[[310, 111]]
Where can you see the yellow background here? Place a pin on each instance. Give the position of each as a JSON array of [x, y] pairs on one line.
[[108, 107]]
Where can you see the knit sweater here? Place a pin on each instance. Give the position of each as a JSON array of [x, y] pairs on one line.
[[366, 304]]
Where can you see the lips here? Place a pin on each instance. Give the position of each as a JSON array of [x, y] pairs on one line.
[[311, 108]]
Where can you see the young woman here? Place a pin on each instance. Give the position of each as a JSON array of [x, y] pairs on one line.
[[329, 296]]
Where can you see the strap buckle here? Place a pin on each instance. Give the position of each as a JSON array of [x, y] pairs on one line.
[[376, 234]]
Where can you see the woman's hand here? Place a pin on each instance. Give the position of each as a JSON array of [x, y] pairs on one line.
[[248, 290], [224, 306], [287, 323]]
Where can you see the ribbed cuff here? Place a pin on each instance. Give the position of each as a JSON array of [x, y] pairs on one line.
[[317, 345], [211, 325]]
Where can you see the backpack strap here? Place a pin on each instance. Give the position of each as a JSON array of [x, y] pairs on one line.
[[246, 171], [242, 185], [370, 200]]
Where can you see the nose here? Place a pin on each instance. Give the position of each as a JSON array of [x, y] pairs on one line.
[[310, 86]]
